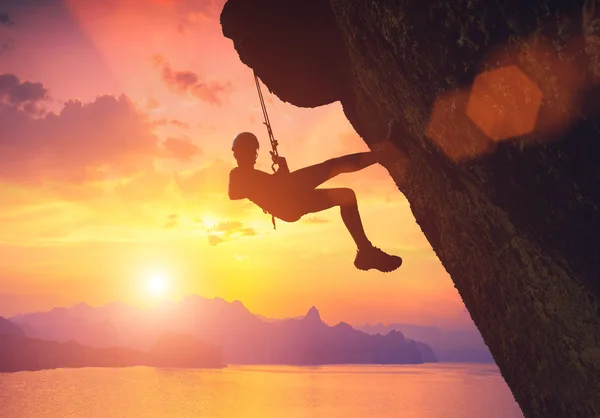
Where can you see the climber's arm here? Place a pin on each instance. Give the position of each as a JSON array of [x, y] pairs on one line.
[[234, 190]]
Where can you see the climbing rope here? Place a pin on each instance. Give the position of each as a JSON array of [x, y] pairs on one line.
[[274, 143], [267, 123]]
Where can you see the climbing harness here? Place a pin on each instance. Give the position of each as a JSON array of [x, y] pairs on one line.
[[274, 143]]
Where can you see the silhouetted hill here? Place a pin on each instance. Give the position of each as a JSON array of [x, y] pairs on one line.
[[243, 337], [9, 328], [20, 353], [464, 346]]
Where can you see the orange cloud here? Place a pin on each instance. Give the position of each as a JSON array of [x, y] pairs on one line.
[[171, 224], [229, 231], [228, 226], [109, 138], [152, 103], [215, 240], [180, 124], [175, 122], [192, 12], [172, 221], [181, 148], [84, 142], [188, 82]]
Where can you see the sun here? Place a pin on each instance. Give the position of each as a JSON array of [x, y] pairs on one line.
[[157, 284], [209, 221]]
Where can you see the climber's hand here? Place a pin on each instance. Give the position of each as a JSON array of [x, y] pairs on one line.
[[277, 159], [281, 163]]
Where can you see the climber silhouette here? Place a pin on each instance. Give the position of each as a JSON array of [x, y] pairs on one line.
[[290, 195]]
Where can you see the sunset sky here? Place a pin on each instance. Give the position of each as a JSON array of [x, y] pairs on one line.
[[116, 122]]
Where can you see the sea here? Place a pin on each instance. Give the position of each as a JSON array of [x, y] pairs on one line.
[[433, 390]]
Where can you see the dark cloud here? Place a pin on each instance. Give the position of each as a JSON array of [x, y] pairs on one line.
[[5, 19], [5, 46], [6, 34], [188, 82], [181, 148], [25, 95]]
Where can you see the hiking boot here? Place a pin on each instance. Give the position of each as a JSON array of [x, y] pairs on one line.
[[374, 258]]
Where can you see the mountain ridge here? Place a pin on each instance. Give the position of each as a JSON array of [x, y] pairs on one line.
[[244, 337]]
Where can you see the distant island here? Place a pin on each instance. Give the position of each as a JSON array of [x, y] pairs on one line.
[[449, 345], [309, 341], [241, 337], [20, 353]]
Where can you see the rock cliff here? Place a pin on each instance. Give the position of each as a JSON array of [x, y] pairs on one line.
[[497, 105]]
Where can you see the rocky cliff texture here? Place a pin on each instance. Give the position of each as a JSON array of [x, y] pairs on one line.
[[497, 104]]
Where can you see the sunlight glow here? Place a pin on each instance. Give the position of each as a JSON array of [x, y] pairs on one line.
[[157, 285], [209, 221]]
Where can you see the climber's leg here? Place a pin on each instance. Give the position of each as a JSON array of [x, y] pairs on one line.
[[313, 176], [368, 256], [321, 199]]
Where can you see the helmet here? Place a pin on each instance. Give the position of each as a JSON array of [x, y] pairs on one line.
[[245, 140]]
